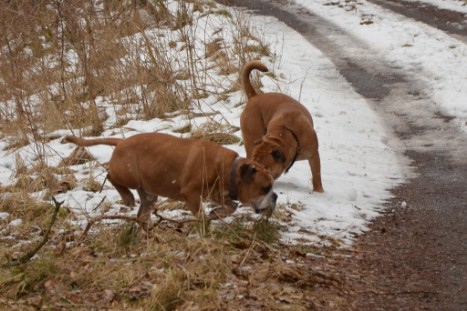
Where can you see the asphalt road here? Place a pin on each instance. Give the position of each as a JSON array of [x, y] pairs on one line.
[[414, 258]]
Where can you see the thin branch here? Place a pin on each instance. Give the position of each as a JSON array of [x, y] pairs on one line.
[[143, 224], [162, 218], [25, 258], [108, 217]]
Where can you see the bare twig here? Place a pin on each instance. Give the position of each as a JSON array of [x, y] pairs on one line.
[[162, 218], [108, 217], [103, 199], [129, 218], [25, 258], [103, 183], [248, 251]]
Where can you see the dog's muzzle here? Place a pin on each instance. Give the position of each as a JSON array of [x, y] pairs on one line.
[[267, 204]]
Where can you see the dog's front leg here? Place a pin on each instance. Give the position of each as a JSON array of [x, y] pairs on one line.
[[193, 202]]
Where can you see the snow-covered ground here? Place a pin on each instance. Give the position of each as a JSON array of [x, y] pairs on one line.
[[358, 164], [439, 60]]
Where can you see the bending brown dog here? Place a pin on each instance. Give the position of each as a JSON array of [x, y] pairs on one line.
[[277, 130], [184, 169]]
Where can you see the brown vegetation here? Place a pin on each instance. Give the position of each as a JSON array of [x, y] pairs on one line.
[[60, 60]]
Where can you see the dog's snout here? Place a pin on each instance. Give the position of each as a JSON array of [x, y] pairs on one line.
[[268, 203], [274, 197]]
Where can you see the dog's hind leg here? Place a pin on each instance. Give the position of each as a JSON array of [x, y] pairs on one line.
[[314, 160], [148, 202], [315, 165], [125, 193], [251, 136]]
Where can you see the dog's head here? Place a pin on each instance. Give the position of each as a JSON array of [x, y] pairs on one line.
[[271, 156], [254, 186]]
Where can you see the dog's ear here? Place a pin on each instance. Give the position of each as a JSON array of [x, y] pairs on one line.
[[278, 155], [247, 172]]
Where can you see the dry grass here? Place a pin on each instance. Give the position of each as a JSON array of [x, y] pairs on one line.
[[61, 60], [172, 268]]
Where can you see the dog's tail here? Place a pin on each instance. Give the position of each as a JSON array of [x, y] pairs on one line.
[[91, 142], [247, 87]]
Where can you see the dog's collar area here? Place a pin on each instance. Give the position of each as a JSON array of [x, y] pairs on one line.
[[297, 151], [233, 179]]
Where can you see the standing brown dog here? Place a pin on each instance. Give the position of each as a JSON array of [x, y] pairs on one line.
[[184, 169], [277, 130]]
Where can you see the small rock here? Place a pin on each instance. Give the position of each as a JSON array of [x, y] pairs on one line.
[[109, 295], [53, 286], [16, 222], [4, 215]]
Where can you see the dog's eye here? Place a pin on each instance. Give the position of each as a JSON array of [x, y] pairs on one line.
[[266, 189], [278, 156]]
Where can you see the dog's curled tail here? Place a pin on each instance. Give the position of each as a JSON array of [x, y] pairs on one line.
[[91, 142], [246, 70]]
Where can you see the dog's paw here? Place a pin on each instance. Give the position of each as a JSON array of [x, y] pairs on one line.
[[318, 189], [222, 212]]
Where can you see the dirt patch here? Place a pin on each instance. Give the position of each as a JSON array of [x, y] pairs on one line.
[[414, 256], [446, 20]]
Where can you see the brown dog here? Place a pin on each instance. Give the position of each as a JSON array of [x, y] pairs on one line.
[[277, 130], [184, 169]]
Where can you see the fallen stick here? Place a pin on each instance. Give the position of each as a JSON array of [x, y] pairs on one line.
[[107, 217], [129, 218], [25, 258]]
